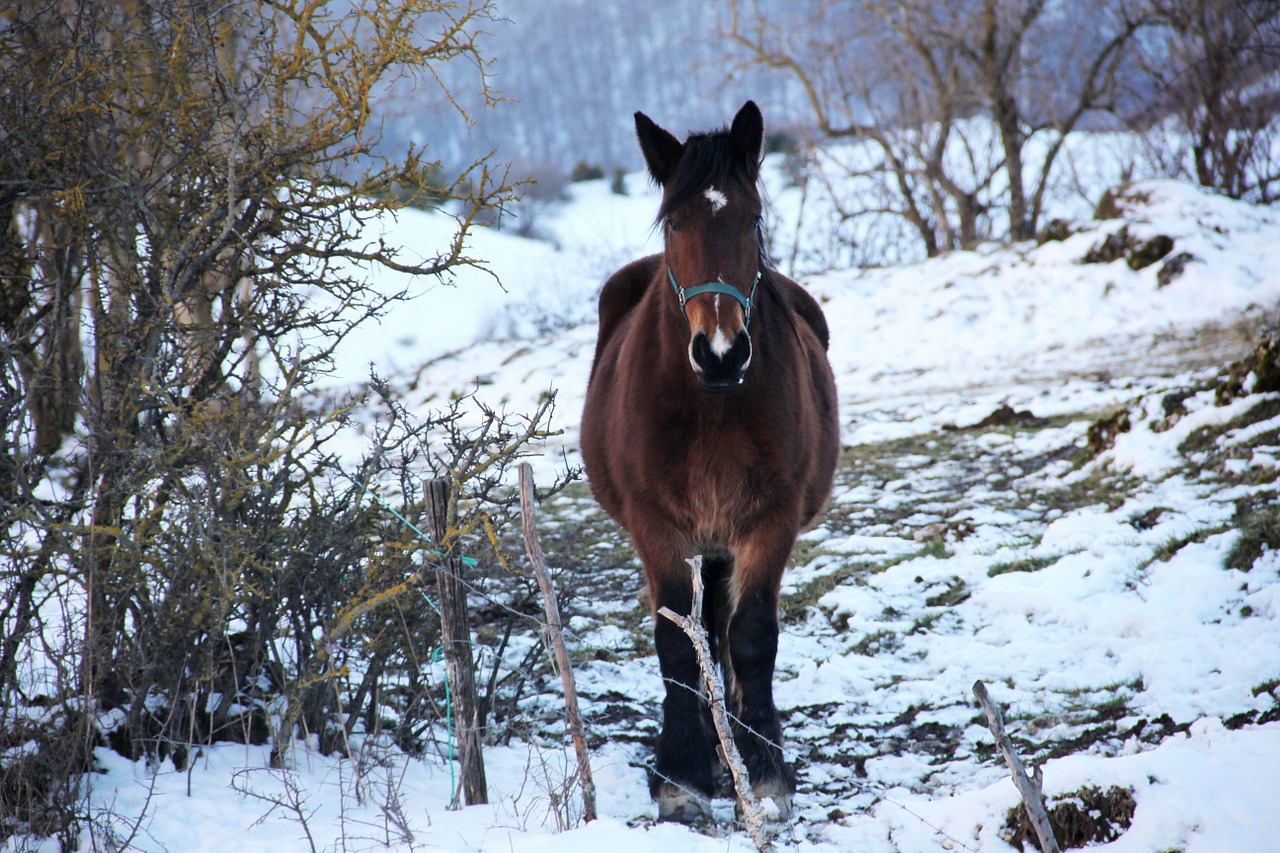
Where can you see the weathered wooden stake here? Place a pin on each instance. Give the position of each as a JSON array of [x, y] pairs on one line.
[[752, 813], [1030, 791], [455, 634], [555, 631]]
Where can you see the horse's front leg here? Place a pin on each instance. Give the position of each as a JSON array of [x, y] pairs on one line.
[[752, 650], [683, 780]]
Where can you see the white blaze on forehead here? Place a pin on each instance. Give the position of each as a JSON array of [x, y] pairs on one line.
[[717, 199]]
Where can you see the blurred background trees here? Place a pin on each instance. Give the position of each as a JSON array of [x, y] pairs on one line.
[[964, 109], [1213, 68], [959, 114], [910, 78]]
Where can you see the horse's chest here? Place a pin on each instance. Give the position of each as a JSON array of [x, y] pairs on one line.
[[717, 481], [715, 505]]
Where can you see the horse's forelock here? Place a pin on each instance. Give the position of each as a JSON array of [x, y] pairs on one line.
[[709, 159]]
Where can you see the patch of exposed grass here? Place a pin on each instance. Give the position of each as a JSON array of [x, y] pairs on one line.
[[587, 540], [1102, 432], [884, 457], [1166, 551], [1099, 486], [925, 623], [1114, 708], [795, 604], [1259, 532], [804, 552], [1205, 439], [879, 642], [1023, 564], [1078, 819], [956, 592], [937, 549]]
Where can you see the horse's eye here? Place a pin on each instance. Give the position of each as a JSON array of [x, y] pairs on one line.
[[672, 224]]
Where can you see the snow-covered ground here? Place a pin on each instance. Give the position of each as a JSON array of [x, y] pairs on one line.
[[954, 550]]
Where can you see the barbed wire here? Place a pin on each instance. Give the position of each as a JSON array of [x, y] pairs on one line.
[[878, 791], [442, 563]]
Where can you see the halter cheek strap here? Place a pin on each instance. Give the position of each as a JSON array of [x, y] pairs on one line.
[[684, 293]]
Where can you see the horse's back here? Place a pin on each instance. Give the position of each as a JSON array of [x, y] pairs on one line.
[[805, 307], [619, 297], [816, 426], [619, 300]]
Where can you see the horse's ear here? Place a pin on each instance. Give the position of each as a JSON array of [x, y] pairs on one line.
[[661, 150], [747, 134]]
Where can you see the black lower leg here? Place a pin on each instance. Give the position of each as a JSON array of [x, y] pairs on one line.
[[753, 649], [685, 752]]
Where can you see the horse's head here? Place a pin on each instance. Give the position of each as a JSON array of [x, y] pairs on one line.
[[710, 217]]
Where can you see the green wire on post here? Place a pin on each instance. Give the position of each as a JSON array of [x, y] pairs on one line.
[[436, 657], [437, 654], [470, 561]]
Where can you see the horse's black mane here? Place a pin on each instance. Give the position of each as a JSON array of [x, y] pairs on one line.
[[709, 160]]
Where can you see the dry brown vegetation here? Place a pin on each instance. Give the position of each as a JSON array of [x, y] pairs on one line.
[[183, 190]]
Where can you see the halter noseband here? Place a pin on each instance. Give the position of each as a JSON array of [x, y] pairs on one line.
[[684, 293]]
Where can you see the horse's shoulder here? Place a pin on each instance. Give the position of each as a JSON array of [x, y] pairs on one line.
[[623, 291], [806, 308]]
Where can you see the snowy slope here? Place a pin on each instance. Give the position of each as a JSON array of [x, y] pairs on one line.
[[953, 551]]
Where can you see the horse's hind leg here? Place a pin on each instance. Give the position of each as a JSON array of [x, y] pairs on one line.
[[752, 640], [683, 780]]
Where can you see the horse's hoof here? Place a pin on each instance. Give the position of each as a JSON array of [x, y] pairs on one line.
[[773, 798], [681, 805]]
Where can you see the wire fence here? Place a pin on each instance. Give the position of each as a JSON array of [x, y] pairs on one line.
[[539, 627]]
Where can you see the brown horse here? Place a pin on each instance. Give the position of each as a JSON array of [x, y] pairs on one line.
[[710, 428]]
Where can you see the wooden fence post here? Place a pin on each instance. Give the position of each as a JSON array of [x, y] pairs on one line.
[[455, 633], [555, 631]]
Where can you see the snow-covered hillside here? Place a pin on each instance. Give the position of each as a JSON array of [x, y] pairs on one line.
[[1118, 588]]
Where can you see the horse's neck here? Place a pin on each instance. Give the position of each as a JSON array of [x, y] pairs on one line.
[[672, 328]]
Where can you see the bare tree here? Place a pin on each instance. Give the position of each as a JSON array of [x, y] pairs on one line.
[[948, 96], [1216, 70]]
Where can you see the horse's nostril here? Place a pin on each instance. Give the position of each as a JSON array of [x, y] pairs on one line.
[[705, 350], [700, 351], [720, 367], [739, 354]]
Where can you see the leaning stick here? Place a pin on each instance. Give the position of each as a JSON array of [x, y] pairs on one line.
[[1030, 791], [752, 813], [555, 631]]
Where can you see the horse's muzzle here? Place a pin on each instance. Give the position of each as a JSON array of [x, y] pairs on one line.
[[720, 364]]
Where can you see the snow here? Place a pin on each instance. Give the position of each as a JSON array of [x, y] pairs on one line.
[[916, 349]]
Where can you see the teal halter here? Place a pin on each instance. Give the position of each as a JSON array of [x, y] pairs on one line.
[[684, 293]]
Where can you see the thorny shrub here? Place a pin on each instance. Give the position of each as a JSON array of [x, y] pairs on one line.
[[187, 556]]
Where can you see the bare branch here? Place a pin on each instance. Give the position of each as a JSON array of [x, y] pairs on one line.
[[1030, 791]]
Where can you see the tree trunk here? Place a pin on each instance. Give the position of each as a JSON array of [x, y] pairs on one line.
[[455, 634]]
